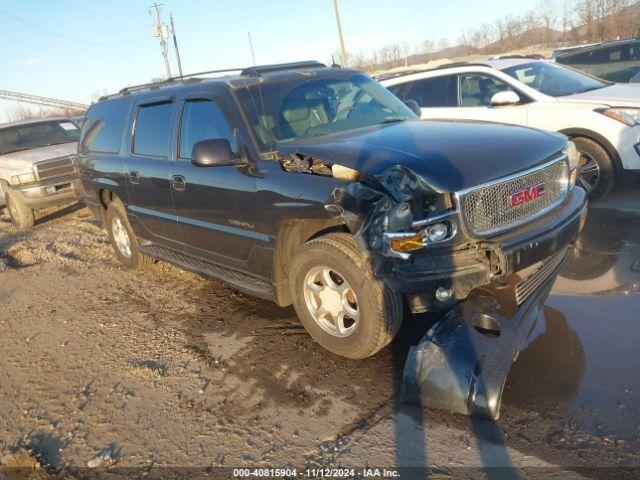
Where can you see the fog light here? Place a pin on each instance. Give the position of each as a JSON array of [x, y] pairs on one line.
[[443, 294], [437, 232], [50, 190]]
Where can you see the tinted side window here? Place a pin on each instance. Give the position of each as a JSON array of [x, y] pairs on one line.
[[575, 59], [103, 126], [433, 92], [153, 128], [203, 120]]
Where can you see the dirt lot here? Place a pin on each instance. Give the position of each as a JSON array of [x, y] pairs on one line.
[[102, 366]]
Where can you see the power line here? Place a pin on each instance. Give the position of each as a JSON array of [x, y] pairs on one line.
[[110, 4], [61, 35], [88, 10]]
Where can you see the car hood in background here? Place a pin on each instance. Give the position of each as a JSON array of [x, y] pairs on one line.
[[21, 162], [449, 155], [616, 95]]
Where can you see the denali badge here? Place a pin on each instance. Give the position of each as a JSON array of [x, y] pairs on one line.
[[525, 196]]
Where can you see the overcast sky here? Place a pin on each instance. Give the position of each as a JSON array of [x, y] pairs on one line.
[[72, 49]]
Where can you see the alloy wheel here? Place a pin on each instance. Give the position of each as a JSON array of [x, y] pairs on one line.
[[588, 172], [331, 301], [121, 237]]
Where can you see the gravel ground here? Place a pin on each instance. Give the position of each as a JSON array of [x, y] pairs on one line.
[[100, 366]]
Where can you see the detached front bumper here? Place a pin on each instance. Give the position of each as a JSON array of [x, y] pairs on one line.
[[49, 193], [462, 270], [461, 365]]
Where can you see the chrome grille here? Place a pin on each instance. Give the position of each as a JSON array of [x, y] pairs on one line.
[[58, 167], [488, 209]]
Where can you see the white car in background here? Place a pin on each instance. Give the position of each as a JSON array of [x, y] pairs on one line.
[[602, 118]]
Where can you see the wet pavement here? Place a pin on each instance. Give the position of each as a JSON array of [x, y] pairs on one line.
[[582, 362]]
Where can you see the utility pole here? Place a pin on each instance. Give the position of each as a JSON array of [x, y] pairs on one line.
[[160, 31], [175, 42], [253, 54], [343, 52]]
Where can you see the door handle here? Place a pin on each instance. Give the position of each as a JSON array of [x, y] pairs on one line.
[[134, 177], [178, 183]]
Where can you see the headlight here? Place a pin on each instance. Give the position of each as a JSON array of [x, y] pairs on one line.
[[628, 116], [24, 178], [574, 162]]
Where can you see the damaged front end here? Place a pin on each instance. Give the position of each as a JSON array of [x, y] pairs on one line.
[[490, 290]]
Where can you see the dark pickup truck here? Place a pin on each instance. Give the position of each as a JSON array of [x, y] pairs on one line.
[[315, 186]]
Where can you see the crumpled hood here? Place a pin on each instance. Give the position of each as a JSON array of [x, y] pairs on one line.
[[21, 162], [449, 155], [616, 95]]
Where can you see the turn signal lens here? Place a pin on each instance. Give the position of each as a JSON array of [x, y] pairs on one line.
[[407, 244]]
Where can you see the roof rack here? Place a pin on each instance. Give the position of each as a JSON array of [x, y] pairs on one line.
[[280, 67], [248, 72]]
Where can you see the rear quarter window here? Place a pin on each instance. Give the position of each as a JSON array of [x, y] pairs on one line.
[[103, 126], [432, 92]]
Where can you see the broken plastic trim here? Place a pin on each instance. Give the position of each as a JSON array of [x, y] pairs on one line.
[[461, 365]]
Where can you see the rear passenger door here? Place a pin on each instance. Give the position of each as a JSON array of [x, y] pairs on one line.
[[148, 169], [436, 96], [215, 205]]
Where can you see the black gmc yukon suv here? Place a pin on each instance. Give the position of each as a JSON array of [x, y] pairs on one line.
[[316, 186]]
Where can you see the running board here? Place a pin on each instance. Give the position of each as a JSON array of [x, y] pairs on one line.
[[244, 282]]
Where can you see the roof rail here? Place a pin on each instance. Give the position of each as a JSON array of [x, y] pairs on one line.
[[134, 88], [250, 71], [280, 67]]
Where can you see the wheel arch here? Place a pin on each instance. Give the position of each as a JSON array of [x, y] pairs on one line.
[[292, 234], [600, 140]]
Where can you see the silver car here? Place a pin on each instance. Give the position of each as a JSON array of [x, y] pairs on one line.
[[37, 167]]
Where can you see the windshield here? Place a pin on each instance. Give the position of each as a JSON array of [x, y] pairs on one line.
[[36, 135], [554, 80], [293, 109]]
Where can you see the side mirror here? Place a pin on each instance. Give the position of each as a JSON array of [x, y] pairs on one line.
[[215, 152], [413, 106], [506, 97]]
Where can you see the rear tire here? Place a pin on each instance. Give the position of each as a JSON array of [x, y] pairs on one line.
[[329, 273], [21, 216], [596, 172], [124, 241]]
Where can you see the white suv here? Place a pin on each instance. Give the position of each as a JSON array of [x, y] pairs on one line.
[[602, 118]]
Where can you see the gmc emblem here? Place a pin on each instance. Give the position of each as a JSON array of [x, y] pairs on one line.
[[525, 196]]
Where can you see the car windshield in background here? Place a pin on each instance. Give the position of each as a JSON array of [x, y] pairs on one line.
[[288, 110], [552, 79], [36, 135]]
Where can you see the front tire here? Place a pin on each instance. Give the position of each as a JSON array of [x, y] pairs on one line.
[[596, 172], [339, 301], [21, 216], [123, 240]]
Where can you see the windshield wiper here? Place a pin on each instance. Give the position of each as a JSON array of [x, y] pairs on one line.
[[393, 119]]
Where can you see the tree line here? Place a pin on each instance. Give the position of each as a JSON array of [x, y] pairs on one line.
[[551, 23]]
